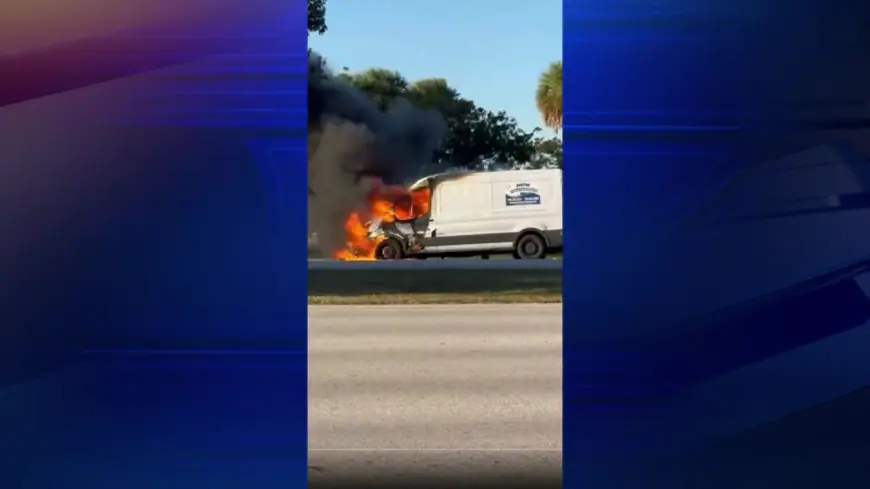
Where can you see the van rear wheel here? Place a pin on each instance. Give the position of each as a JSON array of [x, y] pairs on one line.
[[530, 247], [390, 249]]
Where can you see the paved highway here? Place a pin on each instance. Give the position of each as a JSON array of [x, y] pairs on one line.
[[439, 391]]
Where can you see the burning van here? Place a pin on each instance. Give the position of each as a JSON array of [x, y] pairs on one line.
[[460, 214]]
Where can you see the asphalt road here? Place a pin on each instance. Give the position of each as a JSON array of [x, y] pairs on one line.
[[440, 391]]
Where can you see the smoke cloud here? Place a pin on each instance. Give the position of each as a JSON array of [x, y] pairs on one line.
[[353, 145]]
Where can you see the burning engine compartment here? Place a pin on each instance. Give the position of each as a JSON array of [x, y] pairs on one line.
[[391, 212], [358, 155]]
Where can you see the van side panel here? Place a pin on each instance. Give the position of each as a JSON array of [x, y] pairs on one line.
[[459, 200], [488, 211]]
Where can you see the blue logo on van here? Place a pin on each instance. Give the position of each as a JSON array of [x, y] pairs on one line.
[[522, 194]]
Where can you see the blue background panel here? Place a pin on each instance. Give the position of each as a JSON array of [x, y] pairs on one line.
[[716, 180], [153, 299]]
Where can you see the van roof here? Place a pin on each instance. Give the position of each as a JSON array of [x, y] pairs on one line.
[[426, 181]]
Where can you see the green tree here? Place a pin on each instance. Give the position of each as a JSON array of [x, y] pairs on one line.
[[478, 137], [548, 153], [548, 96], [475, 136], [434, 93], [317, 16], [383, 86]]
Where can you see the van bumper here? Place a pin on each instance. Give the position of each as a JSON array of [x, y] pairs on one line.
[[554, 238]]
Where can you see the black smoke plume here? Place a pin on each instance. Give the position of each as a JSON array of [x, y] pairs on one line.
[[352, 143]]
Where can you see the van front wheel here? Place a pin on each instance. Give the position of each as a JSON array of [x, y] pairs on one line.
[[530, 247], [390, 249]]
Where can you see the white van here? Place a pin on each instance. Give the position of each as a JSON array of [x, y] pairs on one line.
[[481, 213]]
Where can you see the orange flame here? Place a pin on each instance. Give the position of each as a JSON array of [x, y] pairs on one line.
[[389, 203]]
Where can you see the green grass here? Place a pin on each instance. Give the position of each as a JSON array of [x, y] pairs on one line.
[[434, 286]]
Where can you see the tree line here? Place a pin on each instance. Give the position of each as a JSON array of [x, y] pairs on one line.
[[477, 137]]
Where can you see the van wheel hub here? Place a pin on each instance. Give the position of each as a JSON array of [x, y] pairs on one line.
[[389, 253]]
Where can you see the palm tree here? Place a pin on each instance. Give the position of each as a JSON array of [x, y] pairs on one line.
[[549, 96]]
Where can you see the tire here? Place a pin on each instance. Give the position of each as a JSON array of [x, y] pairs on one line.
[[390, 249], [530, 247]]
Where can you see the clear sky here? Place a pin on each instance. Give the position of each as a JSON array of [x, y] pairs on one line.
[[491, 51]]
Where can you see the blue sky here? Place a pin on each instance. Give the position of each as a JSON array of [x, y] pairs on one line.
[[491, 51]]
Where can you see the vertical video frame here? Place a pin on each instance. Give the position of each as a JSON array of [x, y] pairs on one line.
[[435, 245]]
